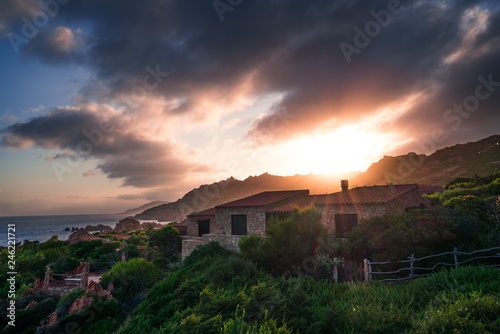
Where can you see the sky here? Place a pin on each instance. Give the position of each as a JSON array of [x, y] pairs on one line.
[[107, 105]]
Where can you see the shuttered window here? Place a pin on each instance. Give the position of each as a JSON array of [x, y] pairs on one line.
[[239, 224], [345, 223], [203, 227]]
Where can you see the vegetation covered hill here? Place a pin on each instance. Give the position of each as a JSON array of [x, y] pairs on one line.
[[480, 157], [279, 284], [439, 168], [216, 292], [134, 211]]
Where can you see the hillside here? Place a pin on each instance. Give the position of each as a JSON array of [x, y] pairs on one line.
[[208, 196], [480, 157], [131, 212]]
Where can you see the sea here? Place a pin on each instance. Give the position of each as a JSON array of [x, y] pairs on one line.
[[42, 228]]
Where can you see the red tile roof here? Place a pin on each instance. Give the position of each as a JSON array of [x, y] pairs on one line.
[[264, 199], [208, 212], [360, 195], [424, 189]]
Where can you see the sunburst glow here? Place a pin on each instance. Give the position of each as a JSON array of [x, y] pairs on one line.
[[344, 150]]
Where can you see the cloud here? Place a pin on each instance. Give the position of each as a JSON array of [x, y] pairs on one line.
[[7, 116], [100, 132], [89, 173], [35, 110], [432, 49], [231, 123], [129, 197]]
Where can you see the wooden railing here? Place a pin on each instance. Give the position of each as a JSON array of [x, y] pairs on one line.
[[412, 268]]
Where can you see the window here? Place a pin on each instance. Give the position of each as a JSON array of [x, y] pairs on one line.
[[344, 223], [203, 227], [239, 224]]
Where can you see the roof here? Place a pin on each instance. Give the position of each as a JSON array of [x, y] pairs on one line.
[[208, 212], [425, 189], [356, 196], [264, 199]]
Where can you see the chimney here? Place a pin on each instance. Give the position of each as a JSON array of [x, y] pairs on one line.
[[345, 185]]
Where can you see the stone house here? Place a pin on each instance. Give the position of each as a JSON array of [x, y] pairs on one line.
[[341, 211]]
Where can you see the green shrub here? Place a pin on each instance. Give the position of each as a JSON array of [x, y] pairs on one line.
[[67, 300], [97, 318], [469, 313], [82, 250], [63, 265], [210, 250], [289, 242], [166, 241], [131, 277], [132, 251]]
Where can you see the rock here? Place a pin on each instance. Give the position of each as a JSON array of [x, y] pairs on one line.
[[53, 319], [151, 226], [80, 304], [67, 229], [31, 305], [96, 289], [82, 235], [99, 228], [128, 224]]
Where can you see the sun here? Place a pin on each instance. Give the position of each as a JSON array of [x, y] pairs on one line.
[[344, 150]]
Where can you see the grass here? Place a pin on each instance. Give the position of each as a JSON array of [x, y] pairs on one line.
[[221, 293]]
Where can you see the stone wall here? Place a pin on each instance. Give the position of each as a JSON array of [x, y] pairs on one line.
[[192, 224], [188, 245], [61, 291], [256, 220], [229, 242], [363, 211], [411, 199]]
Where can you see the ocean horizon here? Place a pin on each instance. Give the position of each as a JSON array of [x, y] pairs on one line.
[[42, 228]]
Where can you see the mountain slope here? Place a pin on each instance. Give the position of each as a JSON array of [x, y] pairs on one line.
[[131, 212], [208, 196], [481, 157]]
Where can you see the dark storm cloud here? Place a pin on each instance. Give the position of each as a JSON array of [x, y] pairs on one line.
[[290, 48], [91, 132]]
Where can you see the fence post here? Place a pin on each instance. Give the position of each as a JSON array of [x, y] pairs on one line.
[[412, 259], [455, 255], [48, 276], [367, 269], [335, 271]]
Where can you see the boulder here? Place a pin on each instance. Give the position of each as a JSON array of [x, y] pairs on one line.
[[53, 319], [99, 227], [80, 304], [128, 224], [79, 235], [31, 305]]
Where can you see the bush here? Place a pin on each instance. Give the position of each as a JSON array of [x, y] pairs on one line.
[[131, 277], [210, 250], [289, 242], [132, 251], [166, 241], [395, 237], [469, 313], [82, 250], [63, 265]]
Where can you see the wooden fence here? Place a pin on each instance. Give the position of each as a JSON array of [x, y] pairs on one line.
[[413, 270]]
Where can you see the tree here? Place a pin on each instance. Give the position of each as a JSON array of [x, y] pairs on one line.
[[289, 244], [395, 237], [166, 241]]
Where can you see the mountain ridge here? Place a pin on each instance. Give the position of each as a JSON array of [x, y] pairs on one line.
[[438, 168]]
